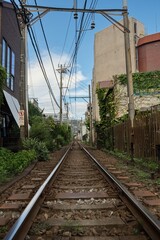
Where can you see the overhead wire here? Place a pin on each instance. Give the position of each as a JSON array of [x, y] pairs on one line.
[[38, 55], [65, 40], [83, 25], [80, 35], [36, 49], [45, 38]]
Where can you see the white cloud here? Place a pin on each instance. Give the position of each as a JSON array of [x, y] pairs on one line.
[[38, 88]]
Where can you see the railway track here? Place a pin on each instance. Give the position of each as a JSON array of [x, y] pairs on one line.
[[80, 199]]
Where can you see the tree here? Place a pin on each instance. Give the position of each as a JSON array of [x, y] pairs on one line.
[[33, 111]]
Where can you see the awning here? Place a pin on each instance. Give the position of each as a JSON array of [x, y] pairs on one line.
[[13, 105]]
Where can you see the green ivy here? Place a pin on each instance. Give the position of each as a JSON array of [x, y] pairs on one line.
[[106, 106], [143, 82], [107, 116], [101, 94]]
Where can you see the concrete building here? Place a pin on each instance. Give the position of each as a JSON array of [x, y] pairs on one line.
[[10, 60], [109, 56], [149, 53]]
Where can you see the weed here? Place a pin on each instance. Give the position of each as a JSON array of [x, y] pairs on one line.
[[137, 229], [142, 175], [158, 181], [39, 228], [3, 229], [76, 230]]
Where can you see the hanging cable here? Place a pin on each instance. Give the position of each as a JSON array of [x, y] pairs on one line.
[[80, 35], [47, 46], [66, 37], [35, 46]]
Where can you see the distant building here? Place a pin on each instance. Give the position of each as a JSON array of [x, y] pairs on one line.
[[10, 60], [78, 128], [149, 53]]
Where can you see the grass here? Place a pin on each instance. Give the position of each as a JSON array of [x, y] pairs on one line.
[[141, 169], [76, 230]]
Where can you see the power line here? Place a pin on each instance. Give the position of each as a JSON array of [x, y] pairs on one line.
[[47, 46], [35, 46], [80, 36]]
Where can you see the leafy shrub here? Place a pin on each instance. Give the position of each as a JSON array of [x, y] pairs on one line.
[[26, 156], [59, 141], [13, 163], [38, 146], [41, 130]]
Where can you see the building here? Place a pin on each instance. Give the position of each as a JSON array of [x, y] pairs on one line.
[[109, 61], [149, 53], [10, 59], [109, 56]]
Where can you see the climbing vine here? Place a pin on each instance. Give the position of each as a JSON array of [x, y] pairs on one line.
[[143, 83], [101, 94], [107, 116], [106, 106]]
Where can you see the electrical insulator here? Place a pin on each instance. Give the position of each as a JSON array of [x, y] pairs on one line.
[[92, 25], [75, 15]]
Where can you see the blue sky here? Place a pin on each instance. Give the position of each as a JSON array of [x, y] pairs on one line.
[[55, 25]]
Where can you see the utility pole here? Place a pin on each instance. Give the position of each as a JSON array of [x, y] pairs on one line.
[[131, 109], [90, 113], [23, 114], [61, 70]]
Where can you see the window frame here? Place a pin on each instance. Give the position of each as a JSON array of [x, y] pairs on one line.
[[8, 62]]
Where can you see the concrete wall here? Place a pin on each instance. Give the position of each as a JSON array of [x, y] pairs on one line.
[[141, 103]]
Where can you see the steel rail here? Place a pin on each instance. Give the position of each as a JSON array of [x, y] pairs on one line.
[[21, 223], [149, 222]]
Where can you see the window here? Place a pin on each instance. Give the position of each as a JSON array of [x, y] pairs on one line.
[[8, 62], [13, 64], [4, 49], [8, 65], [12, 71], [136, 54], [135, 27]]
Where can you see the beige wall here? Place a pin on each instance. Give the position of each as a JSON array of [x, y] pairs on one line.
[[143, 102], [109, 55]]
